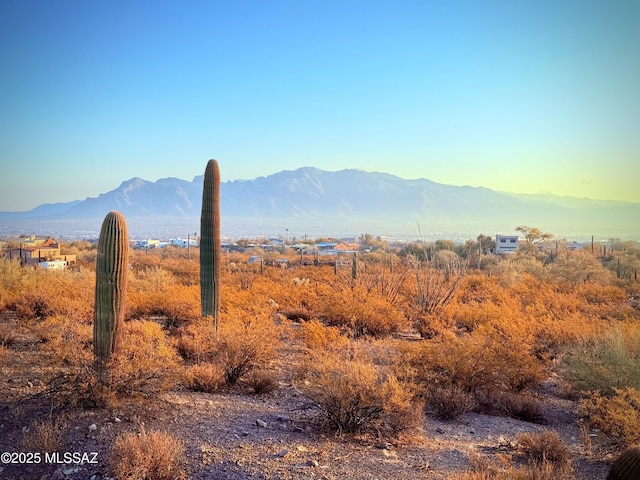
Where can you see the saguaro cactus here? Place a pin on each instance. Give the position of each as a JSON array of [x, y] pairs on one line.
[[112, 264], [210, 243], [626, 466], [354, 266]]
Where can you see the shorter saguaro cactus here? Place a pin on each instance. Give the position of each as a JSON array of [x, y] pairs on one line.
[[626, 466], [112, 263], [354, 266]]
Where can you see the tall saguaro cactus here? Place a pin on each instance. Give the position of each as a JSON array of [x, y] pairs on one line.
[[210, 243], [112, 264]]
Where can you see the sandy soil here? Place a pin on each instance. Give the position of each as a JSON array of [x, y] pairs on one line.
[[239, 435]]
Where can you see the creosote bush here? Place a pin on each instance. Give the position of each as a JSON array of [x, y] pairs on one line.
[[353, 395], [145, 456], [618, 416], [239, 347], [486, 359], [262, 381], [544, 446], [319, 336], [147, 362], [205, 377], [516, 405], [360, 312], [449, 401], [8, 334], [483, 469], [44, 436], [606, 361], [67, 340]]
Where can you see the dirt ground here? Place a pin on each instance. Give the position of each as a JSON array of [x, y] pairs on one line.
[[237, 434]]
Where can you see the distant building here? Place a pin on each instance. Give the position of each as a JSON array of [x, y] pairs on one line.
[[180, 242], [53, 265], [327, 248], [45, 251], [506, 244], [147, 243]]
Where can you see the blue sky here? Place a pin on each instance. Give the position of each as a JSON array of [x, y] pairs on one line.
[[524, 96]]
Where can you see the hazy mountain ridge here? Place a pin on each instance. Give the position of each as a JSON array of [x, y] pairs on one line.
[[350, 197]]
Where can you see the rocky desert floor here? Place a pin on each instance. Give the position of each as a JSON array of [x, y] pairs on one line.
[[236, 434]]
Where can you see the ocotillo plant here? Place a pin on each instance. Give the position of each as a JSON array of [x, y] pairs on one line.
[[210, 243], [112, 264]]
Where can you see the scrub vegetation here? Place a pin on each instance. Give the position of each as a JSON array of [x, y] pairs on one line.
[[368, 350]]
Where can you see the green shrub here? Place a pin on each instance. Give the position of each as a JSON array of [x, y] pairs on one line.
[[606, 362]]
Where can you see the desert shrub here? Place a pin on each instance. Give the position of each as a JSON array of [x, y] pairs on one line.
[[243, 346], [66, 340], [70, 293], [515, 405], [603, 301], [607, 361], [32, 304], [400, 412], [238, 347], [361, 312], [577, 267], [4, 354], [471, 316], [545, 445], [262, 381], [352, 395], [596, 294], [204, 377], [197, 340], [319, 336], [157, 292], [449, 401], [15, 281], [78, 388], [146, 456], [486, 359], [147, 362], [483, 469], [617, 416], [8, 333], [44, 436], [44, 293]]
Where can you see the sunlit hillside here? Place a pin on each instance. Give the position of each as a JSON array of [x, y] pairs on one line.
[[421, 360]]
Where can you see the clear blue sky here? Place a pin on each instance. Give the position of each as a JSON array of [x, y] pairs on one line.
[[522, 96]]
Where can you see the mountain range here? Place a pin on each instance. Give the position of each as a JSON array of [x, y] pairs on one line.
[[343, 202]]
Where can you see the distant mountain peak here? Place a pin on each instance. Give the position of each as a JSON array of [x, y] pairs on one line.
[[309, 195]]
